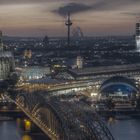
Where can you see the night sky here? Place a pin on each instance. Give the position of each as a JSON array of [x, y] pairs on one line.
[[95, 17]]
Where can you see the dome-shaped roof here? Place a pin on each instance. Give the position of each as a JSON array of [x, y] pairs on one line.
[[121, 79], [118, 83]]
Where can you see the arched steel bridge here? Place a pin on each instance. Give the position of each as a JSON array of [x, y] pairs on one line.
[[66, 117], [62, 117]]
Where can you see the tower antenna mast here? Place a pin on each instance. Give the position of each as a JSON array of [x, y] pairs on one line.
[[68, 23]]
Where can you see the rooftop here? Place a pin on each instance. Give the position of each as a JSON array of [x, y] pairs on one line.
[[105, 69]]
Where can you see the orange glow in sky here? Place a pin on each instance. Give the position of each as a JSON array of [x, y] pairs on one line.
[[95, 17]]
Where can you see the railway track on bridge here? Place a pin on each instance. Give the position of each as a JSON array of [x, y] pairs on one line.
[[63, 118]]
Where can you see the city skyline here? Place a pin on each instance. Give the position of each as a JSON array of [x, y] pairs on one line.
[[96, 18]]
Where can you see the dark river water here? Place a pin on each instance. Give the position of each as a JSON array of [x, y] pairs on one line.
[[9, 130], [121, 130], [125, 129]]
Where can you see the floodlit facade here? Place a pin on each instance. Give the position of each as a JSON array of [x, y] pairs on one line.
[[35, 72], [138, 36], [79, 62], [6, 61]]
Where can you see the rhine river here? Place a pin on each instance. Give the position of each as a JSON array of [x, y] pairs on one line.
[[10, 130], [121, 130], [125, 129]]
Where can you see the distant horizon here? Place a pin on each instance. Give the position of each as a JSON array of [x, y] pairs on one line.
[[95, 18], [12, 36]]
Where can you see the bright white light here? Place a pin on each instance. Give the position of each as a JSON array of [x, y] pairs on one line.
[[138, 43], [94, 94]]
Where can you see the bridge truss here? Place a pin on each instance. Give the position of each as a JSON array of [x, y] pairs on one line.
[[63, 117]]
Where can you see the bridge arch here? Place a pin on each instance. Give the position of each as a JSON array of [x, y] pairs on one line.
[[52, 119], [44, 113], [59, 123], [118, 85]]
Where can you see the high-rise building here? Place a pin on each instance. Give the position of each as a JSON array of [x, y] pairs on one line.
[[6, 61], [79, 62], [138, 36], [1, 43]]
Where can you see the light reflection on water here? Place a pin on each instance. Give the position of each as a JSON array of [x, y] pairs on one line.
[[121, 130], [11, 130], [26, 137]]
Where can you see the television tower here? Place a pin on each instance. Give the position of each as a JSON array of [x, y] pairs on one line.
[[68, 23]]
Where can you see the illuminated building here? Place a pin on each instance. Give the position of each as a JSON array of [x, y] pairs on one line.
[[79, 62], [34, 72], [138, 36], [6, 61], [1, 43], [27, 54]]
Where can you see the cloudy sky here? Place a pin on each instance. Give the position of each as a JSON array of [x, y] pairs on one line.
[[95, 17]]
